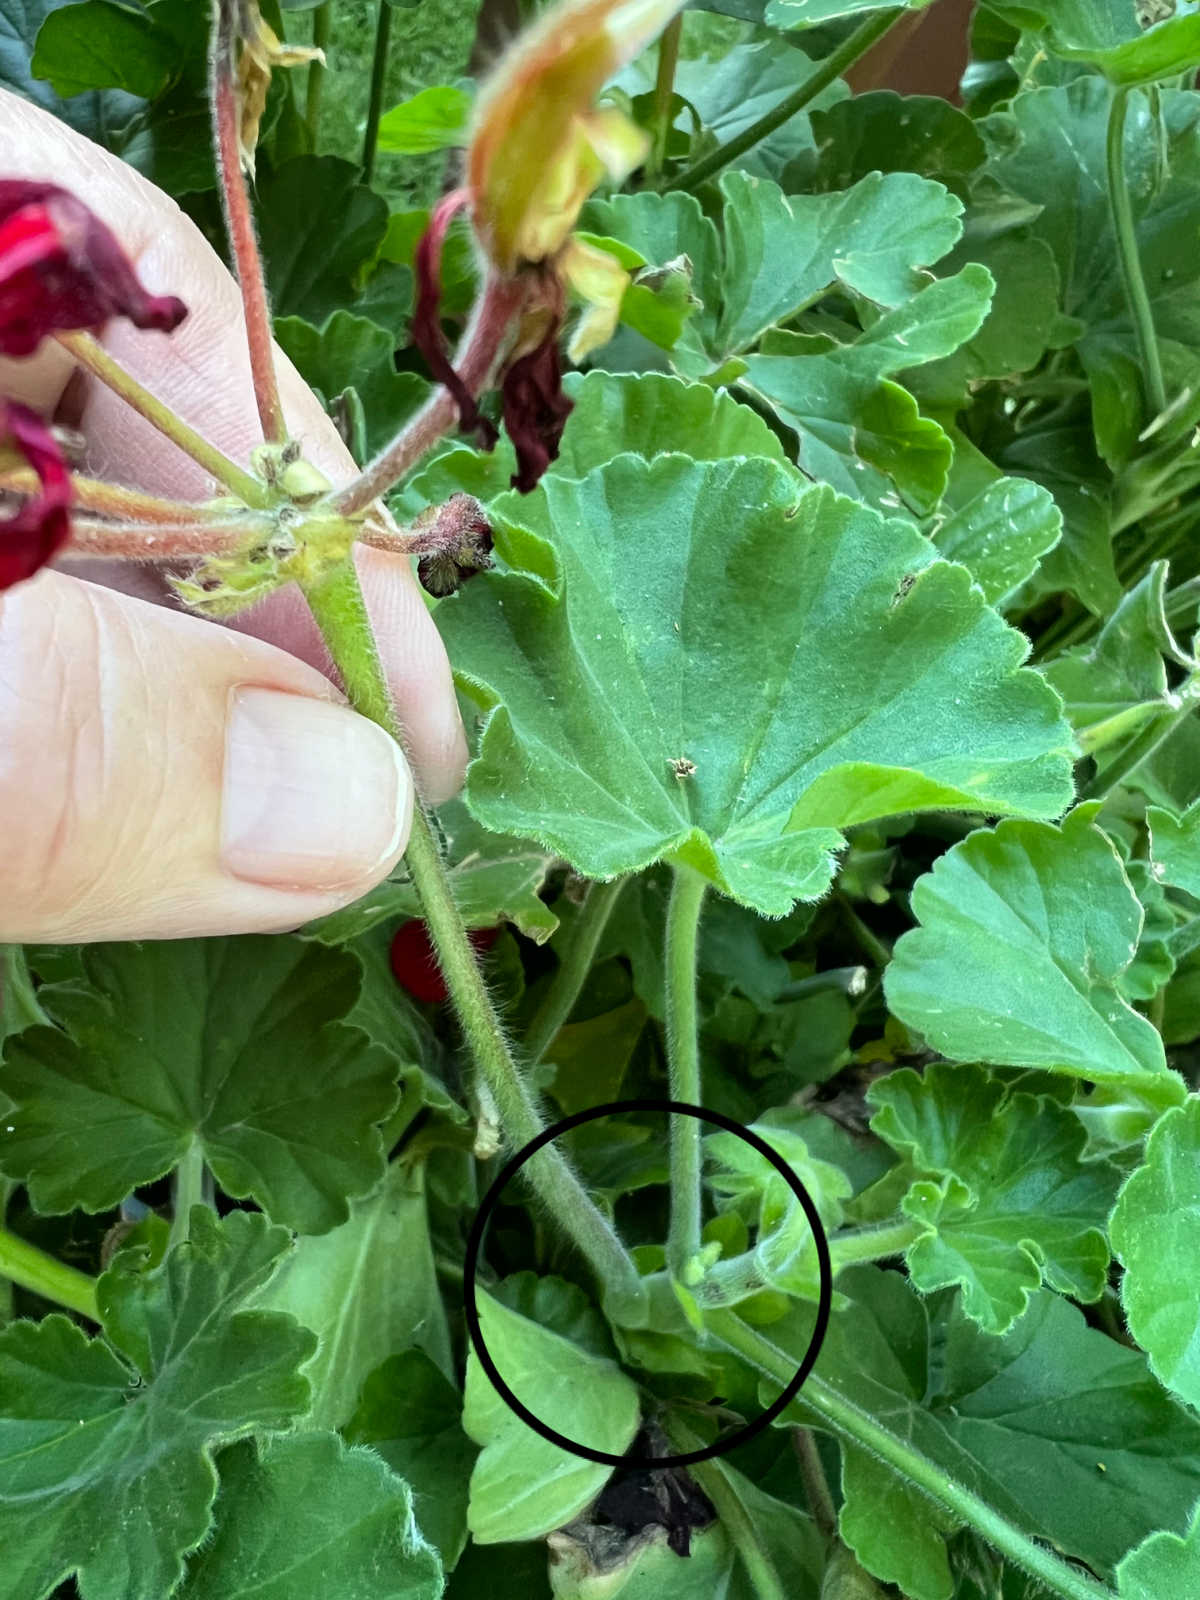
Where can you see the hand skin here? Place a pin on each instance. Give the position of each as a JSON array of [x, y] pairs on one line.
[[162, 776]]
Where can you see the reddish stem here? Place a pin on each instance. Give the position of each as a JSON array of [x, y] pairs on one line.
[[139, 541], [239, 221], [481, 347]]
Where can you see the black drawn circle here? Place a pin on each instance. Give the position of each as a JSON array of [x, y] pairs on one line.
[[728, 1441]]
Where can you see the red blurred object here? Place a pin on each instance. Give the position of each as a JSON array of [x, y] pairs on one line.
[[40, 527], [61, 268], [414, 962]]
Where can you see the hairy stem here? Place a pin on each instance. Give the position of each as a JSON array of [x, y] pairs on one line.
[[1146, 743], [851, 1422], [383, 34], [480, 349], [322, 27], [239, 222], [159, 541], [816, 1484], [846, 54], [664, 89], [113, 500], [187, 1190], [24, 1264], [559, 1000], [872, 1244], [1127, 252], [95, 359], [683, 1060], [337, 606], [735, 1519]]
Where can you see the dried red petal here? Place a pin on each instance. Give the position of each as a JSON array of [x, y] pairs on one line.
[[426, 325], [61, 268], [535, 409], [41, 526], [414, 961]]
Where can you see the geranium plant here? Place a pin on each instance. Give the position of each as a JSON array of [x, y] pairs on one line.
[[805, 485]]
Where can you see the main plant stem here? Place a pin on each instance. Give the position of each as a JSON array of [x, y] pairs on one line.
[[1127, 252], [341, 615], [239, 222], [683, 1060], [850, 1422], [24, 1264], [846, 54], [95, 359], [559, 999]]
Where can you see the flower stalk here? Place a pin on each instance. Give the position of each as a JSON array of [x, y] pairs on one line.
[[239, 221]]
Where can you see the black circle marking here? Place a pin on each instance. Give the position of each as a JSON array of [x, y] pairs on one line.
[[728, 1441]]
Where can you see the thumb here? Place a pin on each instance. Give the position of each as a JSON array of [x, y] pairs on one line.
[[162, 778]]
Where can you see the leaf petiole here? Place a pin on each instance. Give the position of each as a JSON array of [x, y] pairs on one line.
[[559, 999], [24, 1264], [1127, 251], [683, 1060]]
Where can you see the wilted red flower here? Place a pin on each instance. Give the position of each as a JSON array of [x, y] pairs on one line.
[[61, 268], [40, 527], [414, 960]]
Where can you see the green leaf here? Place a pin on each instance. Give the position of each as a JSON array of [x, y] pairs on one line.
[[409, 1414], [1001, 534], [19, 1007], [351, 352], [1114, 686], [876, 694], [651, 415], [236, 1044], [1059, 1428], [1175, 847], [367, 1290], [1107, 34], [494, 878], [1051, 152], [307, 1515], [887, 132], [97, 45], [522, 1485], [1155, 1234], [1012, 1204], [435, 119], [1165, 1567], [782, 252], [857, 431], [106, 1446], [1025, 933], [808, 13], [318, 226]]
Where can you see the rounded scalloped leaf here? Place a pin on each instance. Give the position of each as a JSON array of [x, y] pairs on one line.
[[1155, 1232], [703, 663]]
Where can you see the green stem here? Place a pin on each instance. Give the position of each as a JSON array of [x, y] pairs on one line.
[[339, 611], [872, 1244], [559, 1000], [24, 1264], [664, 89], [95, 359], [1127, 251], [816, 1484], [1145, 744], [844, 57], [683, 1061], [383, 33], [322, 27], [867, 940], [850, 1422], [735, 1519], [187, 1191]]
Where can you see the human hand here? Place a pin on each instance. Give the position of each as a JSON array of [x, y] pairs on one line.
[[162, 776]]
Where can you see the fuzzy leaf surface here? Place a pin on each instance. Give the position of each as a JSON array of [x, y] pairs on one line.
[[106, 1444], [873, 694], [236, 1044]]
